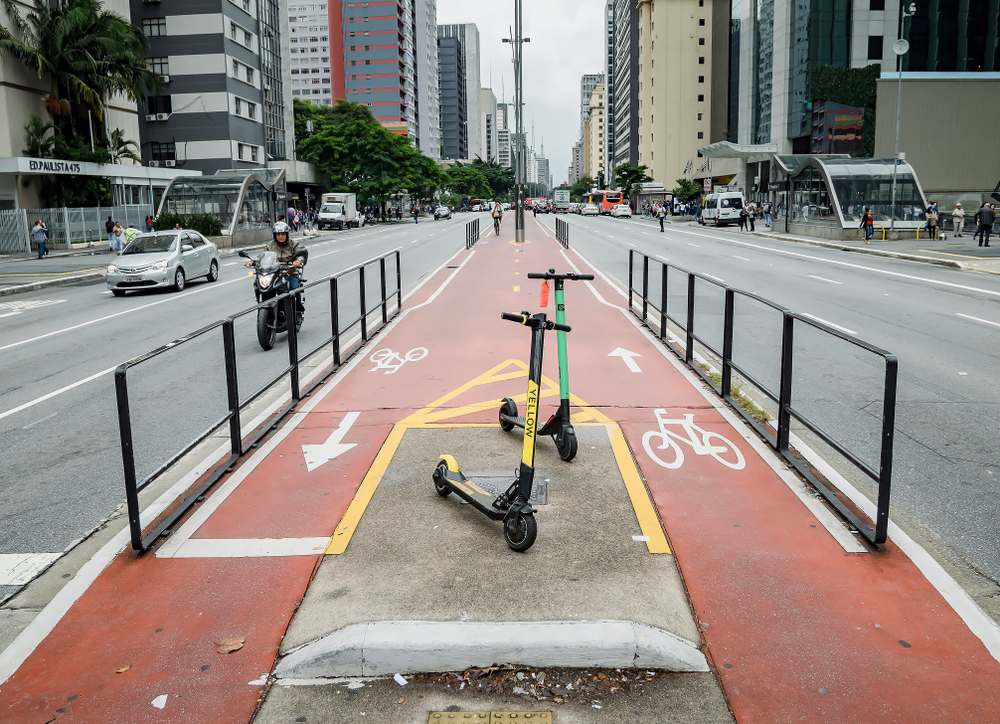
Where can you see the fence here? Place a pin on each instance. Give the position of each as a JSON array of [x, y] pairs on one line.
[[14, 237], [471, 233], [380, 313], [69, 226], [562, 233], [695, 286]]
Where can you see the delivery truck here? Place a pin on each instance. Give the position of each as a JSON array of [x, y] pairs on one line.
[[339, 211], [561, 198]]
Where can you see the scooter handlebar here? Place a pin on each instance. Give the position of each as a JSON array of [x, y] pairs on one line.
[[551, 274], [561, 327], [519, 318]]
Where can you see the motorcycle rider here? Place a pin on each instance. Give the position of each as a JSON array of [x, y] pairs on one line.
[[287, 251]]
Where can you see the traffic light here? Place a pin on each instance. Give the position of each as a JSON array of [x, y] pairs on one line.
[[600, 180]]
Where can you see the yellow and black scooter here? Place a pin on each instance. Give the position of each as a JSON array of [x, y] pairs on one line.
[[511, 506]]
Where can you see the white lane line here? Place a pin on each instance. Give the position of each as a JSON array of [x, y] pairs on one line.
[[697, 245], [710, 276], [250, 548], [49, 396], [416, 241], [39, 422], [831, 324], [662, 258], [17, 569], [977, 319], [8, 314], [823, 279], [742, 258], [232, 263], [632, 245]]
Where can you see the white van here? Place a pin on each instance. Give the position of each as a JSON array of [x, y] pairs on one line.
[[723, 208]]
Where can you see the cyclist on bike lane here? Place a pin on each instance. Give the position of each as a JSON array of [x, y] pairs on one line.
[[497, 217]]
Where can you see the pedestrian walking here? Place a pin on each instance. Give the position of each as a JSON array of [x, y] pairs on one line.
[[130, 233], [40, 235], [119, 235], [751, 216], [868, 224], [661, 214], [932, 221], [109, 228], [416, 213], [766, 208], [743, 219], [987, 217], [149, 224], [958, 217]]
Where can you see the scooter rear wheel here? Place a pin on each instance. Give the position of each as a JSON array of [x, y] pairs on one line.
[[520, 532], [566, 445], [443, 490], [507, 408]]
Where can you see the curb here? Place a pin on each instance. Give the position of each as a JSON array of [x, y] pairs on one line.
[[378, 649], [94, 276], [873, 252]]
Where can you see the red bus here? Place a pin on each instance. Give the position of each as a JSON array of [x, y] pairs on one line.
[[604, 200]]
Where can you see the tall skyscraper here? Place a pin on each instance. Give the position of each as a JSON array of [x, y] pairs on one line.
[[454, 110], [468, 34], [428, 95], [587, 83], [309, 50], [504, 156], [223, 105], [595, 123], [488, 124], [623, 109], [609, 84]]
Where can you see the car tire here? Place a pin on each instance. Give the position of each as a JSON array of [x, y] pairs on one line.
[[118, 292], [213, 271], [179, 280]]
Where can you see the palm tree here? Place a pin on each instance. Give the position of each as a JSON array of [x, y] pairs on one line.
[[39, 144], [88, 53], [120, 147]]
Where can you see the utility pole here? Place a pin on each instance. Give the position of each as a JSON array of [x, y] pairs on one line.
[[517, 42]]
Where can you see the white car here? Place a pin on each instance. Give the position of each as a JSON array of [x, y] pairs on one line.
[[442, 212], [589, 210], [619, 210], [163, 259]]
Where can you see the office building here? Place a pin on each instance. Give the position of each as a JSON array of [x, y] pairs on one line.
[[309, 58], [223, 105], [454, 118], [609, 85], [595, 127], [428, 94], [576, 169], [504, 156], [623, 93], [468, 34], [488, 141], [587, 83]]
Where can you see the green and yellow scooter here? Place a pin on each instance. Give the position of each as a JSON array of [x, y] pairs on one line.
[[511, 506], [558, 426]]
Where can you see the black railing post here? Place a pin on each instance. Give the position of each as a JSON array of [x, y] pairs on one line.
[[293, 342], [385, 302], [645, 287], [785, 386], [885, 463], [232, 387], [335, 319], [364, 308], [727, 343], [128, 457], [399, 284], [664, 272], [631, 253], [689, 332]]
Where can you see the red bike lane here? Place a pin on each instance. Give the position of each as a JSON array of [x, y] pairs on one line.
[[798, 627]]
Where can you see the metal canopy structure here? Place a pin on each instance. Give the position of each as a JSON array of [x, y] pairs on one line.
[[241, 200]]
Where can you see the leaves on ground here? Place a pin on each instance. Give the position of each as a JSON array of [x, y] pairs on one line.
[[230, 644], [123, 669]]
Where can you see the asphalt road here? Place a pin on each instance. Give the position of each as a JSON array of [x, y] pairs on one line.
[[941, 323], [61, 458]]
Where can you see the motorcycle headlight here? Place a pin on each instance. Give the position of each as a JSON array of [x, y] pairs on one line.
[[265, 280], [112, 269], [159, 266]]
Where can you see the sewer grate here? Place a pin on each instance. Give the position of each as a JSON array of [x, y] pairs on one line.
[[440, 717], [453, 266]]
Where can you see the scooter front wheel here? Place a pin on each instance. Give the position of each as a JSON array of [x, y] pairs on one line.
[[520, 531], [566, 445], [508, 408], [443, 490]]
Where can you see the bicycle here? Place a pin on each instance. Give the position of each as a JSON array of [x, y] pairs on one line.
[[697, 438], [496, 225]]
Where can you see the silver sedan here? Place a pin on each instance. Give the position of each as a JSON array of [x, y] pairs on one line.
[[163, 259]]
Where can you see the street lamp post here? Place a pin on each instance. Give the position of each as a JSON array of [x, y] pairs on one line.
[[900, 47], [517, 43]]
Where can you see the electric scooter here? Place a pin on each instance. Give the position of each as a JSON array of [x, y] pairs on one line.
[[558, 426], [511, 506]]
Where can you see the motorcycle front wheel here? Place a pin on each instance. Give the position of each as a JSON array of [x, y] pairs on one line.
[[266, 331]]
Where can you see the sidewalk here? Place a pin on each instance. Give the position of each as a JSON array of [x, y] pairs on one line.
[[328, 549]]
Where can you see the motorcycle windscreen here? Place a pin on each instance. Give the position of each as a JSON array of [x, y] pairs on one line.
[[268, 262]]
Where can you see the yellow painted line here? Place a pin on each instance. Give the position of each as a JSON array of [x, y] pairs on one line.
[[517, 273], [649, 522], [517, 289], [963, 256], [349, 523], [55, 274]]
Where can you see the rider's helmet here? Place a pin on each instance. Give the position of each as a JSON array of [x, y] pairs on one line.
[[281, 228]]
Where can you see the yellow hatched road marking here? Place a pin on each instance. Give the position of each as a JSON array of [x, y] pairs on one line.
[[517, 289]]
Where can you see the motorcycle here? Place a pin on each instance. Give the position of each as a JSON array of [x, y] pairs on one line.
[[271, 279]]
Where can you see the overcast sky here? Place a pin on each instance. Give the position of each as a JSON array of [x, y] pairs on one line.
[[567, 40]]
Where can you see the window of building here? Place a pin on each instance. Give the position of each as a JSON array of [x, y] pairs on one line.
[[232, 30], [236, 69], [249, 74], [701, 60], [701, 134], [252, 111], [160, 66], [246, 6], [701, 99], [701, 79], [159, 104], [247, 38], [239, 107], [163, 151], [253, 153], [368, 62], [876, 46], [699, 116], [701, 41], [877, 5], [154, 27], [701, 22], [239, 151]]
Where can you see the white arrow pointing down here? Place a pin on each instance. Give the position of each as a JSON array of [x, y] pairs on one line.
[[627, 358], [317, 455]]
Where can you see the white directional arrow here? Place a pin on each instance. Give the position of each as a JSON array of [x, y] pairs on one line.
[[627, 358], [317, 455]]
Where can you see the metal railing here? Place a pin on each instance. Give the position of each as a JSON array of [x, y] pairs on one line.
[[471, 233], [562, 233], [649, 310], [14, 237], [383, 312]]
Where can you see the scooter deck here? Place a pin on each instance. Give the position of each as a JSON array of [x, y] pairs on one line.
[[467, 489], [552, 427]]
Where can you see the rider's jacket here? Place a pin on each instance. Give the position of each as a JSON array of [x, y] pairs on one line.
[[287, 252]]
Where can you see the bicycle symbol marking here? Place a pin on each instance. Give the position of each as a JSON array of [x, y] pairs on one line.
[[702, 442], [386, 359]]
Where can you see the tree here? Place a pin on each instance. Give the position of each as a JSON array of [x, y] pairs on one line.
[[423, 176], [467, 181], [580, 187], [325, 116], [686, 190], [121, 147], [500, 178], [88, 54], [629, 178], [39, 143]]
